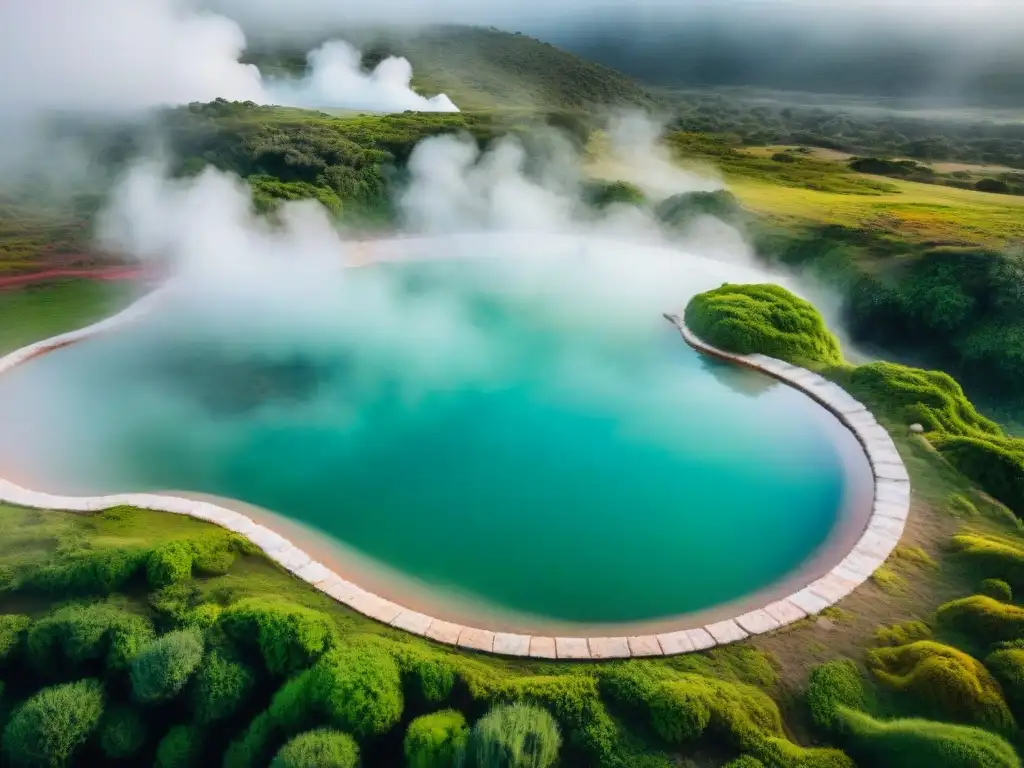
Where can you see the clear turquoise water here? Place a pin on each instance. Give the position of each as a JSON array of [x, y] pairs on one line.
[[536, 462]]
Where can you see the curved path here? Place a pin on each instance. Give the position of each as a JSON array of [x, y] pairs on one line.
[[885, 526]]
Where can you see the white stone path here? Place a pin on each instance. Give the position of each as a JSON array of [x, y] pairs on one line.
[[889, 514]]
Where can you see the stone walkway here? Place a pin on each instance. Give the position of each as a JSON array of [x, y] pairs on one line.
[[889, 514]]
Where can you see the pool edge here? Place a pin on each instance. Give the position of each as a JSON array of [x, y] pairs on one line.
[[890, 509]]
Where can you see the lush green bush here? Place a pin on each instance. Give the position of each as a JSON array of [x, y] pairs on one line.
[[222, 687], [429, 676], [437, 740], [180, 748], [601, 194], [997, 555], [981, 617], [322, 748], [94, 572], [78, 638], [13, 629], [169, 563], [255, 745], [833, 685], [48, 728], [911, 395], [122, 733], [358, 689], [903, 633], [681, 210], [515, 736], [922, 744], [996, 465], [997, 589], [1007, 666], [161, 669], [762, 318], [680, 711], [290, 637], [745, 761], [945, 680]]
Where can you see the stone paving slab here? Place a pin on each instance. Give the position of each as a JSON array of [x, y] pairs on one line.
[[785, 611], [609, 648], [833, 588], [644, 645], [444, 631], [314, 572], [891, 472], [291, 558], [413, 621], [674, 643], [339, 589], [757, 622], [886, 526], [375, 607], [809, 602], [509, 644], [543, 648], [477, 639], [727, 631], [572, 648]]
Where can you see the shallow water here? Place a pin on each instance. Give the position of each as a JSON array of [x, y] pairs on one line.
[[580, 464]]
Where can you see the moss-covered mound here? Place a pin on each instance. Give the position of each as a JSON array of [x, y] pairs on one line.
[[948, 682], [997, 465], [916, 743], [833, 685], [994, 556], [601, 194], [763, 318], [981, 617], [1007, 666], [681, 210]]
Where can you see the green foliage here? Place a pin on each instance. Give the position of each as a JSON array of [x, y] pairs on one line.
[[945, 680], [82, 637], [915, 743], [13, 629], [437, 740], [961, 506], [48, 728], [122, 733], [222, 687], [997, 466], [180, 748], [161, 669], [680, 211], [745, 761], [903, 633], [996, 589], [94, 572], [601, 194], [173, 562], [429, 677], [833, 685], [322, 748], [269, 192], [762, 318], [515, 736], [358, 689], [983, 618], [990, 554], [679, 711], [290, 637], [1007, 666], [255, 745]]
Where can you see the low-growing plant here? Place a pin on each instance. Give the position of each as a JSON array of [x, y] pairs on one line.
[[903, 633], [322, 748], [1007, 666], [961, 506], [913, 743], [358, 689], [94, 572], [744, 761], [515, 736], [180, 748], [997, 589], [832, 685], [13, 629], [122, 733], [944, 679], [290, 637], [437, 740], [1000, 556], [169, 563], [161, 669], [983, 618], [52, 724], [221, 687]]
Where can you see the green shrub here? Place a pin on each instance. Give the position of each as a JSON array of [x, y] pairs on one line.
[[997, 589], [679, 712], [922, 744], [293, 707], [763, 318], [169, 563], [983, 618], [911, 395], [997, 555], [745, 761], [180, 748], [437, 740], [358, 689], [290, 637], [13, 629], [429, 676], [942, 678], [222, 687], [255, 745], [961, 506], [515, 736], [122, 733], [601, 194], [832, 685], [99, 572], [903, 633], [161, 669], [213, 562], [322, 748], [1007, 666], [48, 728], [997, 466], [680, 211], [77, 638]]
